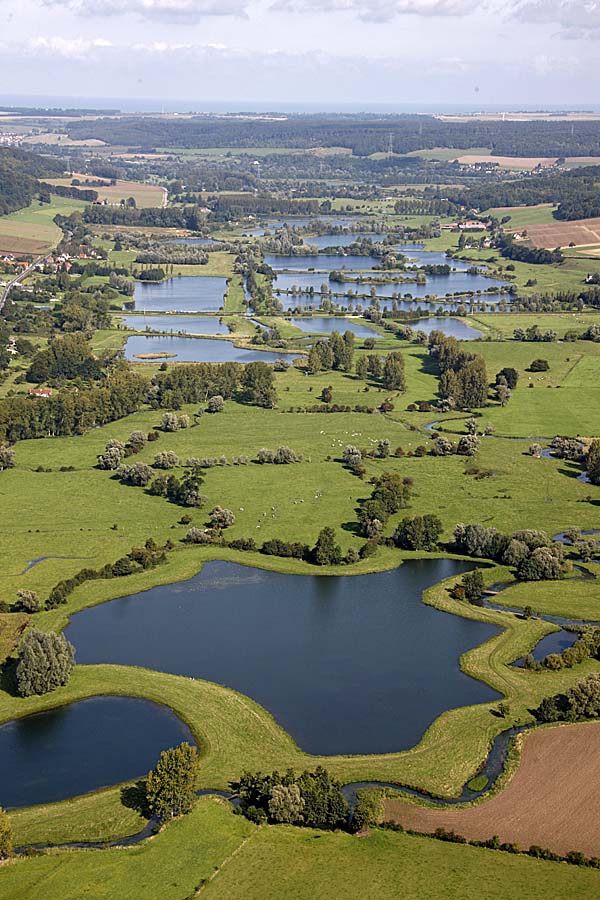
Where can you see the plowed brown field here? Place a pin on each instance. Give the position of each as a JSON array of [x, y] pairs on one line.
[[561, 234], [553, 800]]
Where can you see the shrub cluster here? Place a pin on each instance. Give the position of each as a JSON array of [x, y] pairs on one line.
[[311, 799], [534, 555]]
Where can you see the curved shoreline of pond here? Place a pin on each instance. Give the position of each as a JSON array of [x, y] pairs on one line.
[[503, 739], [493, 769]]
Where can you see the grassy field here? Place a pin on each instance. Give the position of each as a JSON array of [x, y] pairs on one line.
[[145, 195], [31, 231], [522, 216], [573, 599], [544, 492], [73, 513], [224, 857], [304, 865], [170, 866]]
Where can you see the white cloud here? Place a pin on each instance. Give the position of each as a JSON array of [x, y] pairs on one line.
[[378, 10], [67, 48], [172, 11], [576, 18]]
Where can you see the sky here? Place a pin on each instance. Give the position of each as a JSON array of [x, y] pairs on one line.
[[427, 53]]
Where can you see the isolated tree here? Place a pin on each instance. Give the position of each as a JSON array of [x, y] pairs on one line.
[[45, 662], [327, 394], [592, 462], [472, 584], [539, 365], [171, 785], [28, 601], [221, 518], [326, 552], [7, 457], [393, 372], [6, 835], [215, 404]]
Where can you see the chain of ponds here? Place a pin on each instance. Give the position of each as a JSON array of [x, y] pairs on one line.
[[489, 773]]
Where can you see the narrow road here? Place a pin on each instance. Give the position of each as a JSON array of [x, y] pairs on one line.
[[18, 278]]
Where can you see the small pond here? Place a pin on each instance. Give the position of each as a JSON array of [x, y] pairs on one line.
[[452, 327], [185, 293], [322, 325], [82, 747], [185, 324], [198, 350], [346, 664]]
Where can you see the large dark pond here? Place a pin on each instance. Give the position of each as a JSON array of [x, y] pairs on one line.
[[345, 664], [198, 350], [82, 747], [185, 293]]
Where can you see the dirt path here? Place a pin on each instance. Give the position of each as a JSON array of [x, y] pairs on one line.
[[553, 800]]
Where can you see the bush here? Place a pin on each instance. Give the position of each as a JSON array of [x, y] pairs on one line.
[[167, 459], [7, 457], [28, 601], [539, 365], [221, 518], [216, 404]]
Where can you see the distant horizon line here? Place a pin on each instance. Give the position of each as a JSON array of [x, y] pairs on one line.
[[177, 105]]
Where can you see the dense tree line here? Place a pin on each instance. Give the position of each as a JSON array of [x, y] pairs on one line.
[[66, 413], [463, 376], [521, 252], [363, 133], [19, 174], [582, 701]]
